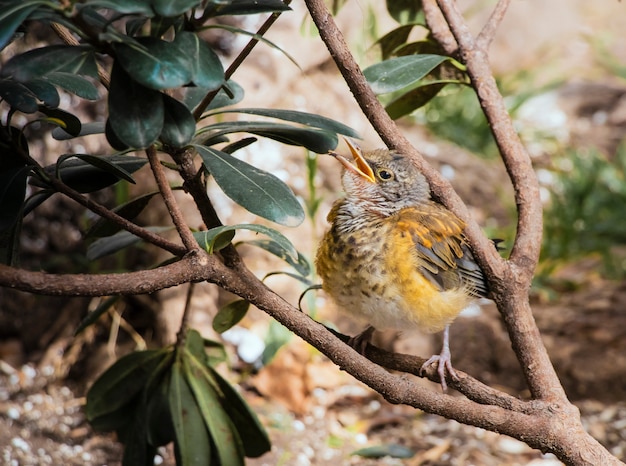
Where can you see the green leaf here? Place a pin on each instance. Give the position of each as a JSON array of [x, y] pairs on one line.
[[37, 63], [155, 63], [301, 264], [121, 382], [379, 451], [316, 140], [207, 239], [207, 71], [256, 441], [12, 14], [94, 315], [143, 7], [63, 119], [405, 11], [88, 173], [250, 7], [257, 191], [129, 210], [212, 240], [230, 315], [173, 7], [192, 438], [225, 437], [136, 113], [400, 72], [111, 244], [179, 125], [44, 91], [92, 127], [394, 39], [414, 99], [18, 96], [308, 119], [159, 424], [74, 84], [12, 195]]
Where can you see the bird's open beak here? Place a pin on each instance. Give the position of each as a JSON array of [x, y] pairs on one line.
[[360, 166]]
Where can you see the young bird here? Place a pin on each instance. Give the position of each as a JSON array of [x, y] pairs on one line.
[[393, 257]]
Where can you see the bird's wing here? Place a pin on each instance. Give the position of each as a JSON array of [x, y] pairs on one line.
[[441, 250]]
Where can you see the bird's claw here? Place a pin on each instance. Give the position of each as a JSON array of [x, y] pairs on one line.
[[444, 364]]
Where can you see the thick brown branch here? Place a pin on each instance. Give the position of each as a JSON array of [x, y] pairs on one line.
[[438, 27], [168, 197]]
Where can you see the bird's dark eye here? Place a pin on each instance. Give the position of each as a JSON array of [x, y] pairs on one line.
[[384, 174]]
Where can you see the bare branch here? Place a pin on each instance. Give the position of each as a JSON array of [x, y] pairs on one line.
[[488, 33], [168, 197], [438, 27]]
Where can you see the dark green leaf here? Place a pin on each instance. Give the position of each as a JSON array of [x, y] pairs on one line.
[[74, 59], [179, 125], [214, 239], [62, 119], [94, 315], [18, 96], [111, 244], [155, 63], [394, 39], [74, 84], [414, 99], [230, 315], [308, 119], [112, 138], [137, 451], [301, 264], [250, 7], [93, 127], [44, 91], [12, 14], [173, 7], [121, 382], [12, 195], [257, 191], [105, 227], [400, 72], [159, 417], [316, 140], [230, 94], [256, 441], [36, 200], [405, 11], [135, 112], [192, 438], [379, 451], [221, 429], [237, 145], [207, 71], [143, 7]]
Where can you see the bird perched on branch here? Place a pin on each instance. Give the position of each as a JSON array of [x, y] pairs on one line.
[[393, 257]]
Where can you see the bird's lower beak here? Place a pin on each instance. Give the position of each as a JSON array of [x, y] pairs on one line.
[[360, 166]]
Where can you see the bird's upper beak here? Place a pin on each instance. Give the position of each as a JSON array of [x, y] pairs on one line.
[[360, 166]]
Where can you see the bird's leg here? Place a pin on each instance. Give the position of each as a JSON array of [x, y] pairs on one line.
[[443, 360], [359, 342]]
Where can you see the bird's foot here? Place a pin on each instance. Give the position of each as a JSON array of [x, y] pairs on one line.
[[444, 364], [359, 342]]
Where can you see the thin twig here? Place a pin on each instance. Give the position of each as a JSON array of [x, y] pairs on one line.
[[184, 321], [486, 36], [438, 27], [168, 196], [238, 60]]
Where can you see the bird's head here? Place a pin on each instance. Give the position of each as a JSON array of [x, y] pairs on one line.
[[381, 180]]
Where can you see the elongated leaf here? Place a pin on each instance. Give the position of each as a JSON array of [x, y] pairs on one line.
[[111, 244], [400, 72], [225, 437], [192, 438], [12, 14], [121, 382], [18, 96], [207, 239], [173, 7], [207, 71], [129, 210], [380, 451], [63, 119], [256, 441], [304, 118], [250, 7], [74, 84], [44, 91], [143, 7], [179, 125], [159, 417], [135, 112], [74, 59], [414, 99], [155, 63], [230, 94], [92, 127], [12, 195], [257, 191], [394, 39], [405, 11], [230, 315], [301, 264]]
